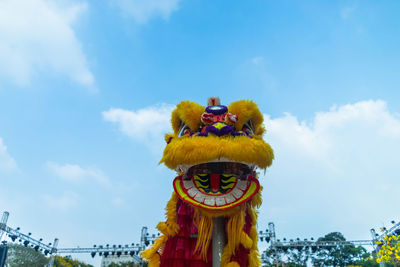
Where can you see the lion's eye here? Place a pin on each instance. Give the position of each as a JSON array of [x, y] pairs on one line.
[[249, 127], [183, 130]]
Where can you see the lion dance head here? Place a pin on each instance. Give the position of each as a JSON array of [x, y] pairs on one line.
[[216, 151]]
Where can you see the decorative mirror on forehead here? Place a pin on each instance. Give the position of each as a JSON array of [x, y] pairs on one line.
[[184, 129]]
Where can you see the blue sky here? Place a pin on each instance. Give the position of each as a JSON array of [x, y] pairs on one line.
[[86, 90]]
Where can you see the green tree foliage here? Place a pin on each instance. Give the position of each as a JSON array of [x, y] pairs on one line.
[[68, 262], [293, 257], [298, 256], [21, 256], [339, 255], [268, 257], [369, 262], [345, 254]]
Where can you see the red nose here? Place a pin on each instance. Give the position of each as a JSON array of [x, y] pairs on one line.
[[215, 182]]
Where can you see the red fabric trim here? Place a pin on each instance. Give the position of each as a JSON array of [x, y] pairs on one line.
[[179, 250]]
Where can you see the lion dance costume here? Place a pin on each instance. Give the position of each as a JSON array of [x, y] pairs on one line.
[[215, 150]]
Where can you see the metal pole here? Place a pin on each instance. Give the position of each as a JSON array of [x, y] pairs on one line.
[[3, 223], [53, 251], [143, 238], [272, 235], [218, 240], [271, 227], [3, 255]]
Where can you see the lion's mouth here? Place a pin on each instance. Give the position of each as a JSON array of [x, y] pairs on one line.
[[217, 185], [216, 178]]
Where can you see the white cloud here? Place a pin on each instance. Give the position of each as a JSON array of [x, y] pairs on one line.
[[143, 10], [337, 171], [340, 169], [146, 125], [37, 37], [61, 202], [7, 163], [76, 174]]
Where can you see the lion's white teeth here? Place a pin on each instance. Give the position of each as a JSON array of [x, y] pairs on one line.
[[237, 193], [242, 184]]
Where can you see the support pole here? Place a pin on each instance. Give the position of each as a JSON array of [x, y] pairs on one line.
[[3, 223], [53, 252], [218, 240], [3, 255]]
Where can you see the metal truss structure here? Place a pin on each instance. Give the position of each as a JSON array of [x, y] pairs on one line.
[[269, 236], [26, 239], [14, 235], [278, 247], [115, 250]]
